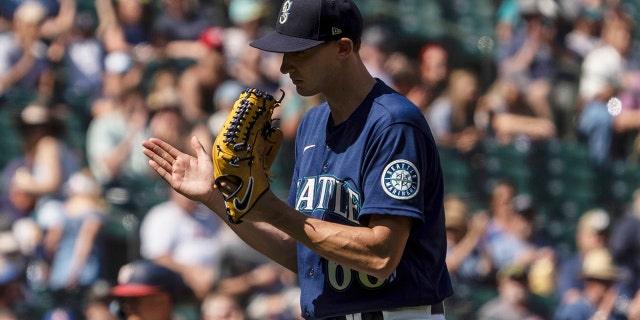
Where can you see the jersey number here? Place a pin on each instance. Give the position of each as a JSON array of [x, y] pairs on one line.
[[341, 277]]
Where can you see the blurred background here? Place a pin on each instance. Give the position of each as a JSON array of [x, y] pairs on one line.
[[535, 106]]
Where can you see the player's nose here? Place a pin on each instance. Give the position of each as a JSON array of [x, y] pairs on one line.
[[285, 66]]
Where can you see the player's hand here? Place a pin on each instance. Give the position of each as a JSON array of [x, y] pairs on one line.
[[188, 175]]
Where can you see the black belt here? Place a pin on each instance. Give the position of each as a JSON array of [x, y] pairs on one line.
[[437, 308]]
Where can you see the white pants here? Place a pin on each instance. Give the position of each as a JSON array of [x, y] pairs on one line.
[[411, 313]]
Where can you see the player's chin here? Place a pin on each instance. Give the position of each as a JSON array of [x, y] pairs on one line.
[[304, 91]]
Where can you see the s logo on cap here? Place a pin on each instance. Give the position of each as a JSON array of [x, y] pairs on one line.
[[284, 13]]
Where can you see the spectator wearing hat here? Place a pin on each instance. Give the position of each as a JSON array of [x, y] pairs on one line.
[[148, 291], [592, 233], [599, 275]]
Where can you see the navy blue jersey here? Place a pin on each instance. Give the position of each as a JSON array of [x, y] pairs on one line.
[[381, 160]]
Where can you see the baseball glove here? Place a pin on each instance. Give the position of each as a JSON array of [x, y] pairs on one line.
[[244, 150]]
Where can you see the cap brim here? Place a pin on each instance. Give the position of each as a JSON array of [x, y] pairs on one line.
[[278, 42], [134, 290]]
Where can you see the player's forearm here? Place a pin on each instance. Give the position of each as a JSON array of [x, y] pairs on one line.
[[375, 250]]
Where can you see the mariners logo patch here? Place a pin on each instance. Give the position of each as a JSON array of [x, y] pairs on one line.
[[400, 179]]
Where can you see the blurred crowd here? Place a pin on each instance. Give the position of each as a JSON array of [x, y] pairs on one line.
[[88, 231]]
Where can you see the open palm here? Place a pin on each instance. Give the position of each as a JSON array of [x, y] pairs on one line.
[[188, 175]]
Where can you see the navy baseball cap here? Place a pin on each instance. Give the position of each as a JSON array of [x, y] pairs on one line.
[[143, 278], [303, 24]]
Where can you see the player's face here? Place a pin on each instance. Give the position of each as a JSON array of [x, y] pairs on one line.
[[310, 69]]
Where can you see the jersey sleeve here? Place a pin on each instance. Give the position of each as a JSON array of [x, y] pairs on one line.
[[401, 173]]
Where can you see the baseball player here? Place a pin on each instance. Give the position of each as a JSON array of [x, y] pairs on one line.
[[364, 224]]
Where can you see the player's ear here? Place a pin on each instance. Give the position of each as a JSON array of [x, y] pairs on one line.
[[345, 46]]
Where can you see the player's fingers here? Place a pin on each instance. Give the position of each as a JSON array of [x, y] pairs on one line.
[[199, 148], [227, 186], [166, 175], [163, 148], [160, 158]]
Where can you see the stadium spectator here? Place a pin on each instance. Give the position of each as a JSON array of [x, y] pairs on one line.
[[433, 68], [584, 35], [469, 266], [182, 235], [80, 55], [134, 19], [377, 45], [505, 117], [511, 238], [246, 18], [73, 242], [405, 77], [220, 306], [597, 297], [466, 262], [14, 202], [609, 80], [592, 233], [113, 153], [24, 68], [49, 159], [633, 311], [527, 59], [148, 291], [81, 58], [178, 20], [624, 245], [198, 82], [452, 115], [501, 216], [97, 302], [514, 298]]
